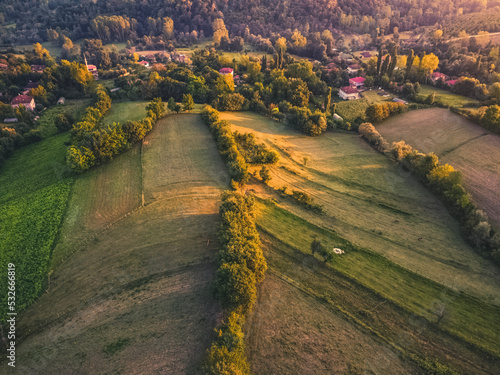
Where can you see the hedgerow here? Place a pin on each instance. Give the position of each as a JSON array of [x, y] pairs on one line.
[[241, 266], [226, 144]]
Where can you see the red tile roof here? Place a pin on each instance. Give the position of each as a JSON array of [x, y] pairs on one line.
[[357, 80], [21, 99], [366, 54], [355, 66], [349, 90], [226, 70], [451, 82]]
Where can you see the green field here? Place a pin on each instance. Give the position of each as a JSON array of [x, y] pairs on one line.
[[349, 110], [142, 274], [446, 97], [33, 199], [46, 123], [126, 111]]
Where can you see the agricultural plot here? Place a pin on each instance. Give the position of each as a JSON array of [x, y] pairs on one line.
[[469, 148], [33, 199], [446, 97], [371, 203], [347, 310], [141, 285]]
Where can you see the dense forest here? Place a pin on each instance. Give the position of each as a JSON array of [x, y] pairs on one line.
[[262, 17]]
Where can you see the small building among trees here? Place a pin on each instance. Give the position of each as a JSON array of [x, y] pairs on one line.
[[225, 71], [27, 101], [349, 93]]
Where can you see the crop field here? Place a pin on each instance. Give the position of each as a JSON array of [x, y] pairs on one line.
[[468, 147], [33, 200], [125, 111], [350, 110], [446, 97], [143, 282]]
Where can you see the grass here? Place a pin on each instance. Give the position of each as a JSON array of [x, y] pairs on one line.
[[467, 317], [33, 200], [126, 111], [468, 147], [445, 97], [371, 203], [146, 272]]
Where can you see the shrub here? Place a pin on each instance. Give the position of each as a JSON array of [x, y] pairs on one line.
[[373, 137]]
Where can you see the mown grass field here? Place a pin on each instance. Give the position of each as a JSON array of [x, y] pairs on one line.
[[33, 199], [471, 149], [446, 97], [372, 204], [358, 289], [126, 111], [143, 282]]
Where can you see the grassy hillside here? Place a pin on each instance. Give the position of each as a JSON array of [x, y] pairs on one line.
[[372, 203], [466, 146], [46, 123], [140, 284], [33, 199], [363, 313]]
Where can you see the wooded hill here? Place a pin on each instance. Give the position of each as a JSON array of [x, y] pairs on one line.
[[260, 16]]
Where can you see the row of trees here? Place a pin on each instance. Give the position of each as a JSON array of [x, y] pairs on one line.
[[241, 267], [226, 144], [446, 182]]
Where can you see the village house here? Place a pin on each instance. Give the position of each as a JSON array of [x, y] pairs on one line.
[[92, 69], [225, 71], [357, 82], [4, 66], [436, 76], [27, 101], [349, 93], [353, 69], [366, 55], [37, 68], [144, 63]]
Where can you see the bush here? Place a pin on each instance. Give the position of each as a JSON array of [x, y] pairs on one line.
[[373, 137], [253, 152]]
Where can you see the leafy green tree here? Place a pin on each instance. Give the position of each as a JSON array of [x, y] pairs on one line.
[[187, 102], [235, 286], [171, 104], [317, 246], [177, 108]]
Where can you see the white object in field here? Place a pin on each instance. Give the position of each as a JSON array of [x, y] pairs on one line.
[[336, 250]]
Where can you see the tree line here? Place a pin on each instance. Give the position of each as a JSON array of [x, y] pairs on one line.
[[241, 266], [226, 144]]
